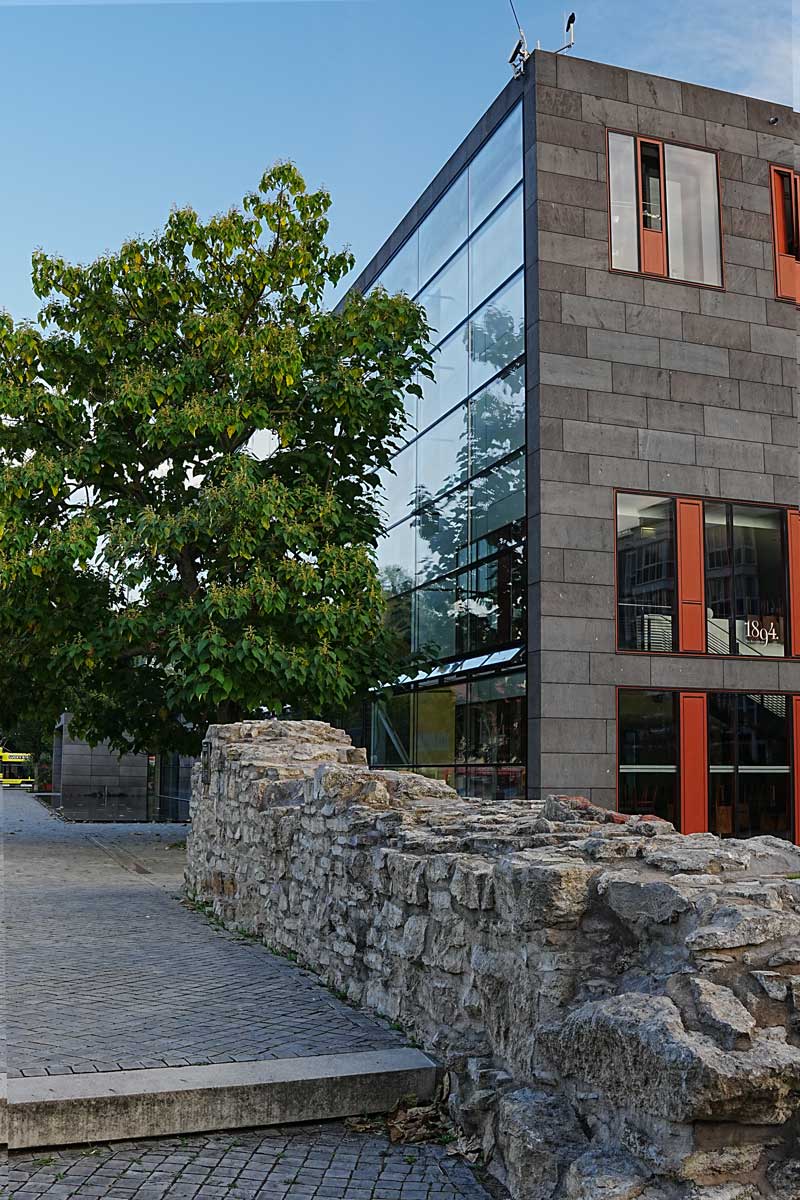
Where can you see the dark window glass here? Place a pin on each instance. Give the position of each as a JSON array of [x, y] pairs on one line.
[[391, 731], [646, 572], [648, 754], [790, 245], [496, 727], [436, 618], [651, 187], [750, 778], [745, 580]]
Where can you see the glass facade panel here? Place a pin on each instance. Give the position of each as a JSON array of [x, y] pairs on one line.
[[446, 297], [443, 455], [436, 621], [402, 273], [440, 724], [497, 498], [646, 573], [622, 187], [693, 237], [497, 334], [648, 754], [495, 169], [396, 558], [399, 485], [450, 385], [455, 571], [497, 420], [441, 535], [391, 730], [496, 250], [444, 229]]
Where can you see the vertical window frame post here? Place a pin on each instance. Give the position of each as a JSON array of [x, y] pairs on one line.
[[793, 560], [691, 576], [693, 734]]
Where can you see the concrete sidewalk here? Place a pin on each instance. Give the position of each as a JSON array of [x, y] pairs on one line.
[[110, 976]]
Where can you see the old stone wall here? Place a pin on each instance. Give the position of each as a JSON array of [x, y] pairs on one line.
[[619, 1005]]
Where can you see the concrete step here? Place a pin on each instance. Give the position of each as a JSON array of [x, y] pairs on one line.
[[62, 1110]]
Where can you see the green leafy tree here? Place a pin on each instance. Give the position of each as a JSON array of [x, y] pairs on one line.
[[156, 572]]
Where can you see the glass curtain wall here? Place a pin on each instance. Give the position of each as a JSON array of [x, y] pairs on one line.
[[452, 562]]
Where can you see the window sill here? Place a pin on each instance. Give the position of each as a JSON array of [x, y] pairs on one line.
[[710, 287]]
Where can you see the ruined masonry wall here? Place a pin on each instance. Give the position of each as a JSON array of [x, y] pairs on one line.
[[619, 1005]]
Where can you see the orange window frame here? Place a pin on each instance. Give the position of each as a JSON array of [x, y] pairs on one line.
[[690, 531], [785, 232]]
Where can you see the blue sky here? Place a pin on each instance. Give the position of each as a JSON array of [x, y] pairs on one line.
[[114, 112]]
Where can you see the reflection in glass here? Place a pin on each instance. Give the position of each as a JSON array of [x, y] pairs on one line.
[[441, 535], [497, 498], [496, 168], [399, 485], [445, 299], [622, 187], [440, 724], [435, 618], [497, 334], [496, 251], [401, 274], [395, 556], [495, 728], [450, 384], [391, 731], [759, 581], [646, 572], [444, 229], [398, 619], [651, 186], [497, 420], [745, 580], [648, 754], [443, 455], [693, 239]]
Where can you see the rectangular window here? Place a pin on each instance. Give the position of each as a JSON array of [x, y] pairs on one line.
[[648, 753], [646, 591], [707, 577], [745, 580], [786, 226], [720, 761], [664, 209]]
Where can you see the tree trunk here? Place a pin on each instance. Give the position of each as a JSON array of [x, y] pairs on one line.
[[228, 711]]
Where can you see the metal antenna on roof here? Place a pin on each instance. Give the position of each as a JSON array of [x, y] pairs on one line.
[[570, 32], [520, 54]]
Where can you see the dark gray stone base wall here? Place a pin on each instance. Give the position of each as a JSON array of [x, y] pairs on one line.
[[642, 384]]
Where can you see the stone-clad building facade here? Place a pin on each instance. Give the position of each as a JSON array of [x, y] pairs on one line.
[[654, 648]]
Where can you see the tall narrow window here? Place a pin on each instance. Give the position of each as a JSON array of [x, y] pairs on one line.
[[648, 753], [654, 258], [646, 572], [693, 240], [786, 222], [664, 209], [622, 186]]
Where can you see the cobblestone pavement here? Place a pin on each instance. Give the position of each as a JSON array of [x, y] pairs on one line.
[[108, 971], [309, 1162]]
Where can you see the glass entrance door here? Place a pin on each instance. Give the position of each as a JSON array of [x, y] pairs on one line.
[[749, 758]]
